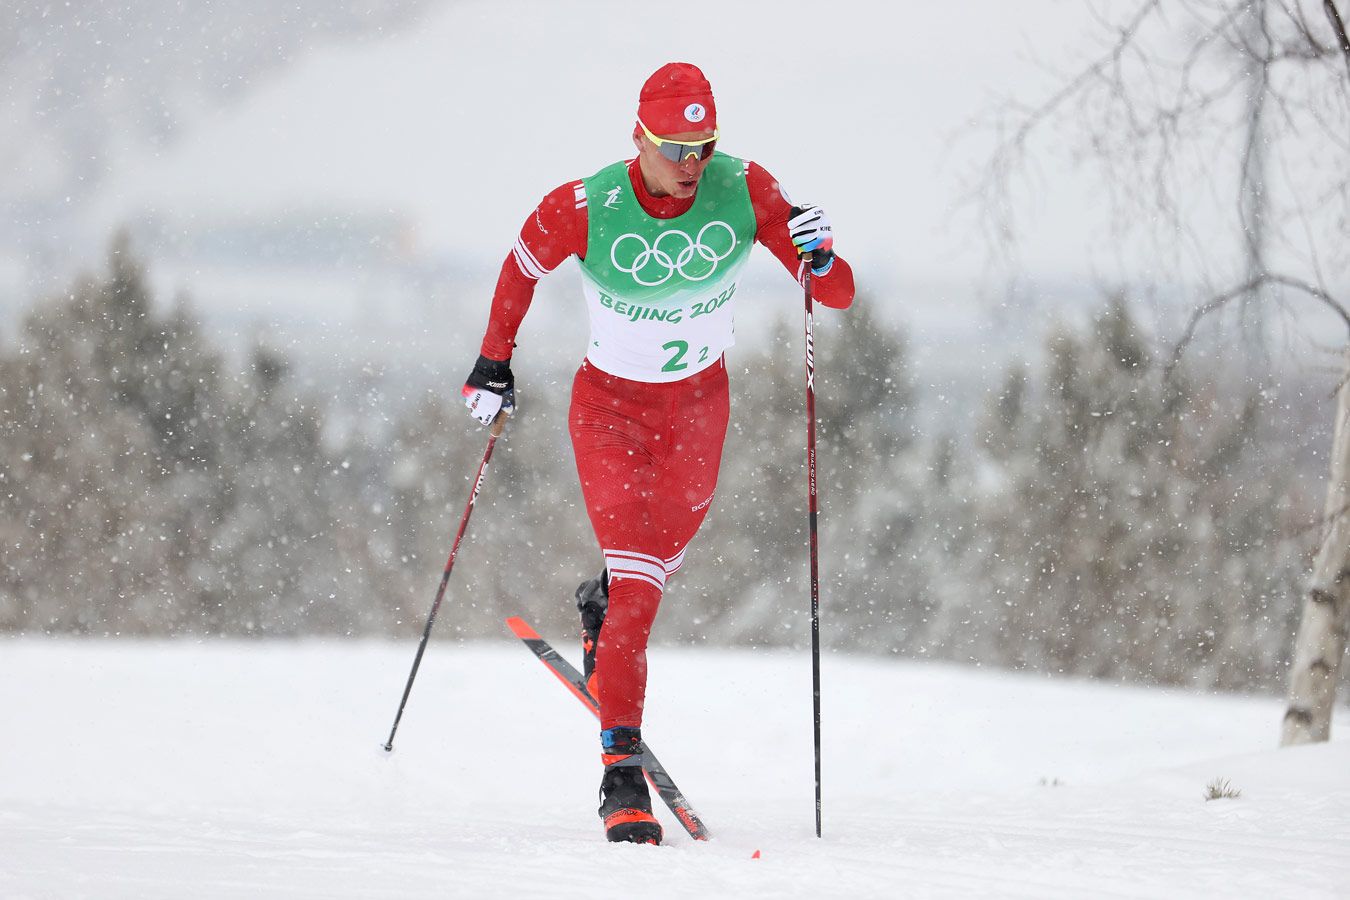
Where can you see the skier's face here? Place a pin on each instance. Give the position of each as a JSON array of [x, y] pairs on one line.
[[664, 178]]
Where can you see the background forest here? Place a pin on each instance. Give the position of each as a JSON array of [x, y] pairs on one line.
[[1101, 517], [1097, 442]]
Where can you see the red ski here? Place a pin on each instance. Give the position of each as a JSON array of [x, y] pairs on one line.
[[656, 773]]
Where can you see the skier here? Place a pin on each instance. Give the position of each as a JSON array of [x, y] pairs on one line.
[[661, 241]]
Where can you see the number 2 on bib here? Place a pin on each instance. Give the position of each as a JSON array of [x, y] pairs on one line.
[[675, 363]]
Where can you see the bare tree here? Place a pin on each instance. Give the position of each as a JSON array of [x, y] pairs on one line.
[[1245, 99], [1320, 644]]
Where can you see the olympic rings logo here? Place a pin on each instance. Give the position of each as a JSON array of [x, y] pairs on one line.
[[661, 258]]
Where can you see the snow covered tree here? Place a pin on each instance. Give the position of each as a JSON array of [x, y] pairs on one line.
[[109, 433], [881, 497], [1245, 100], [145, 492], [1124, 521], [751, 584]]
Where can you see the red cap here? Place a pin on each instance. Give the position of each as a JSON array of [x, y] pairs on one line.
[[677, 99]]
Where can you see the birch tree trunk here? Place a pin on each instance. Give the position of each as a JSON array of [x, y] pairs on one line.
[[1320, 643]]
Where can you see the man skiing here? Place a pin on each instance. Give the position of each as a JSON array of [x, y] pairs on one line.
[[661, 241]]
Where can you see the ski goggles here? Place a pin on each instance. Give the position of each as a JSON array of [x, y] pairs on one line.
[[678, 151]]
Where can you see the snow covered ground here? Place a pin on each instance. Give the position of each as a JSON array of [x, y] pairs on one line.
[[224, 769]]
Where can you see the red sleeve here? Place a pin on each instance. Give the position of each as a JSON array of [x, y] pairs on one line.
[[554, 231], [834, 288]]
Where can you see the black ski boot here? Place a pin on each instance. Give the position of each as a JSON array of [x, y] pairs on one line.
[[592, 602], [625, 804]]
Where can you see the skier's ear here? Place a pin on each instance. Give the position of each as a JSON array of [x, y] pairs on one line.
[[637, 138]]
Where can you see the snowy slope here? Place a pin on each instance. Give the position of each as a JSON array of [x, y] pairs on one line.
[[233, 769]]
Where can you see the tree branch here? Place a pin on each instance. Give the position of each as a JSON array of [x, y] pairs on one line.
[[1300, 22], [1338, 26], [1322, 522], [1093, 70], [1219, 301], [1010, 148]]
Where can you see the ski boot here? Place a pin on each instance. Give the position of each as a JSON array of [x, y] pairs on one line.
[[592, 602], [625, 804]]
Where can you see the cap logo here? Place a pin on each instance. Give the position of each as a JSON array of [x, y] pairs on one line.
[[695, 112]]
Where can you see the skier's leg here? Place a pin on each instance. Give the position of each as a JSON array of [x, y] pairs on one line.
[[688, 478], [614, 424], [648, 458], [592, 603]]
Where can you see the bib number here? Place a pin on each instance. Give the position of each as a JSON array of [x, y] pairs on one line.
[[675, 363]]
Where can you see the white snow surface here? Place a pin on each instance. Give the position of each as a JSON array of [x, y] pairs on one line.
[[231, 769]]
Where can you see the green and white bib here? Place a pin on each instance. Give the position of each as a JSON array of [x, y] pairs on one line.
[[659, 291]]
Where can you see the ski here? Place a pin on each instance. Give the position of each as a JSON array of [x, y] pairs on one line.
[[656, 773]]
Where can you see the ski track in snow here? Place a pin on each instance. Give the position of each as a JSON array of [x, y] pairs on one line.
[[231, 769]]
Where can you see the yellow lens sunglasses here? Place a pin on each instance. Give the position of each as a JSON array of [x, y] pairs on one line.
[[678, 151]]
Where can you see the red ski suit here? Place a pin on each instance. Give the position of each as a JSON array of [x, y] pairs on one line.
[[647, 454]]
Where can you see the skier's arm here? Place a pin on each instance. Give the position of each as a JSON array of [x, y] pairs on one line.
[[554, 231], [772, 211]]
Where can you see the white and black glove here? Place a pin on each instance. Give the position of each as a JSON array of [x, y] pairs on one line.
[[811, 231], [490, 389]]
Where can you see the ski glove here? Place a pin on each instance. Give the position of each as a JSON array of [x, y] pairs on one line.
[[810, 229], [489, 389]]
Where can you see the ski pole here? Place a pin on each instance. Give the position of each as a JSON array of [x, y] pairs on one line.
[[493, 433], [811, 504]]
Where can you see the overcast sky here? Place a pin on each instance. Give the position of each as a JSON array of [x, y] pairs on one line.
[[871, 108]]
